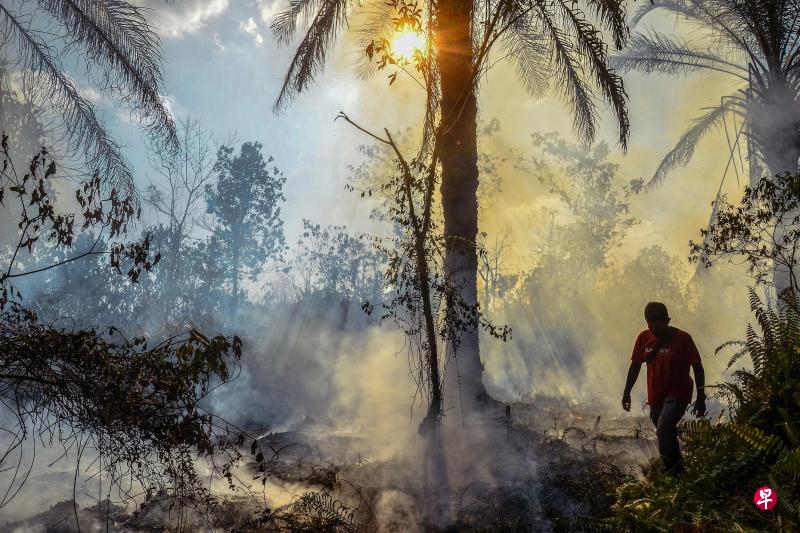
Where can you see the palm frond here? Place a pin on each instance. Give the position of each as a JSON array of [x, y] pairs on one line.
[[309, 58], [656, 52], [528, 50], [118, 38], [612, 14], [641, 12], [683, 151], [592, 48], [570, 74], [686, 9], [714, 16], [755, 22], [377, 23], [84, 131], [284, 25]]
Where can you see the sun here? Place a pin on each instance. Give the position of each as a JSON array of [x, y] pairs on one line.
[[406, 43]]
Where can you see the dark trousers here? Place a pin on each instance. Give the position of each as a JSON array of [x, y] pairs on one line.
[[666, 417]]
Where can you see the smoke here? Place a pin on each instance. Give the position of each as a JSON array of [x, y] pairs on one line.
[[319, 362], [580, 253], [318, 367]]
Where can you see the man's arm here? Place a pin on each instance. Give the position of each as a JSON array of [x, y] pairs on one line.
[[699, 408], [633, 374]]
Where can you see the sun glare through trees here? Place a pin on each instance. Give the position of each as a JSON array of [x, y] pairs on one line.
[[407, 43]]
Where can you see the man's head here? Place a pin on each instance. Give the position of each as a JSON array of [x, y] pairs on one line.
[[657, 318]]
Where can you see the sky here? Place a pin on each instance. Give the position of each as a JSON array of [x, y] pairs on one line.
[[223, 67]]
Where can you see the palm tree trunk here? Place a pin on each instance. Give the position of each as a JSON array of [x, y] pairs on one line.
[[459, 187], [775, 123]]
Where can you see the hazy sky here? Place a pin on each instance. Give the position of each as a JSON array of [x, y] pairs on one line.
[[223, 67]]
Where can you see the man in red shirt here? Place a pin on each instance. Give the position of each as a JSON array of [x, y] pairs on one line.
[[668, 352]]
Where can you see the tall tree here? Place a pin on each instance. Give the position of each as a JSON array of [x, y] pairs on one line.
[[175, 197], [755, 43], [550, 42], [245, 203]]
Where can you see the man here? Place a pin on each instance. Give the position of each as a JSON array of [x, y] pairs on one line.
[[668, 352]]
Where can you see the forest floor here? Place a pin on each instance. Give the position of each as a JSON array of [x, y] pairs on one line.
[[562, 465]]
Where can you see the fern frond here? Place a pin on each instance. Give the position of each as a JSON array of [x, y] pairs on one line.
[[754, 344], [731, 389], [319, 511], [791, 323], [753, 299], [696, 428], [767, 444], [738, 354], [789, 500]]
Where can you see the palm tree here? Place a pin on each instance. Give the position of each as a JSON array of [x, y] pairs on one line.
[[122, 54], [754, 42], [552, 44]]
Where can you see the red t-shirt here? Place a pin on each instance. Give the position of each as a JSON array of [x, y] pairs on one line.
[[668, 372]]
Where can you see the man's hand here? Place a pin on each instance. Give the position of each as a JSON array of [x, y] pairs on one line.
[[630, 381], [699, 408]]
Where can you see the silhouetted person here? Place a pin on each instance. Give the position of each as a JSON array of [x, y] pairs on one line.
[[669, 387]]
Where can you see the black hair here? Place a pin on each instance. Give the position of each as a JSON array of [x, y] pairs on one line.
[[656, 311]]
